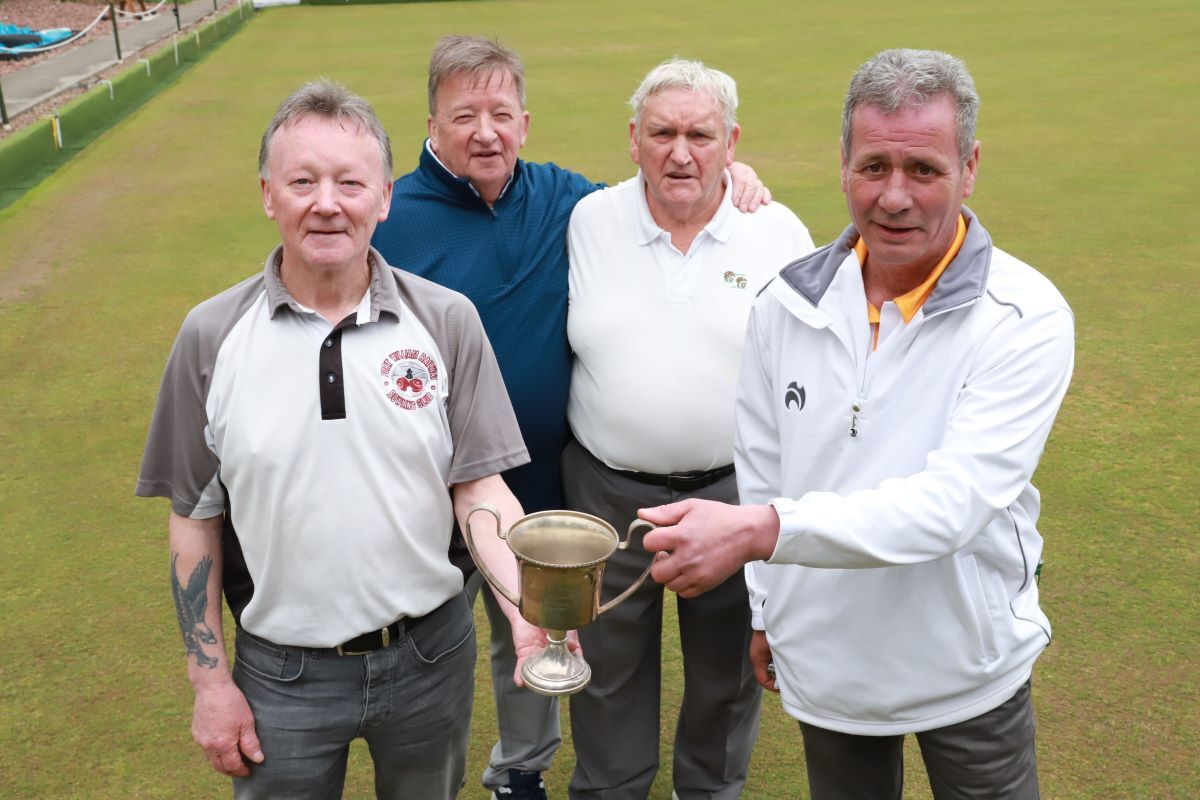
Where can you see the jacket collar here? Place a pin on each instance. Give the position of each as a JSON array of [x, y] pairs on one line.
[[446, 183], [962, 283], [385, 297]]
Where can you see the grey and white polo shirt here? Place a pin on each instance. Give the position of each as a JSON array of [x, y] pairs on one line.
[[329, 448]]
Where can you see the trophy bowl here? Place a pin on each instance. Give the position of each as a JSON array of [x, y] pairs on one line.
[[560, 568]]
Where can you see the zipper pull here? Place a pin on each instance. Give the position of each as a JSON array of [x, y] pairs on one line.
[[857, 407]]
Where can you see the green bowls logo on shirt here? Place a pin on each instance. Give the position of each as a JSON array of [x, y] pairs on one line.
[[409, 378], [734, 279]]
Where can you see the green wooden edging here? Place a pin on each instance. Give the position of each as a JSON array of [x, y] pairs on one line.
[[27, 148], [31, 154]]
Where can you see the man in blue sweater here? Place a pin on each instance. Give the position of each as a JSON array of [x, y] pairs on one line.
[[477, 219]]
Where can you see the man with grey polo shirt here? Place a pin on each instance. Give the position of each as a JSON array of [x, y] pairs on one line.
[[319, 427], [663, 270]]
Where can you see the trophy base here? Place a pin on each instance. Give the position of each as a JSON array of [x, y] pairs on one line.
[[555, 671]]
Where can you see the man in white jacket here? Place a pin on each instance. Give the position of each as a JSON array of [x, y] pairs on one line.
[[897, 390]]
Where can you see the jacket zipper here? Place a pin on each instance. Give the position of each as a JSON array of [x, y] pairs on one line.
[[855, 409]]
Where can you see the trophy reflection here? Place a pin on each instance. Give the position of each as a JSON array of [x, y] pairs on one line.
[[560, 567]]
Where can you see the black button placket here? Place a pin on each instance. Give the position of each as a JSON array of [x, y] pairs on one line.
[[330, 378]]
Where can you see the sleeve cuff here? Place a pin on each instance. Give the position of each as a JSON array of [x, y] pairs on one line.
[[785, 507]]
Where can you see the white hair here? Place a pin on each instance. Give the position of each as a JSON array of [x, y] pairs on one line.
[[679, 73]]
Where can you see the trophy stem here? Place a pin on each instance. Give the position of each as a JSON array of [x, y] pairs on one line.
[[556, 670]]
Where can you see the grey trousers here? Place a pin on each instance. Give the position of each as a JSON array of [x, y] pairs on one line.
[[529, 729], [615, 720], [990, 756], [410, 701]]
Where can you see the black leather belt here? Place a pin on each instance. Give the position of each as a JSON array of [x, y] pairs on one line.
[[377, 640], [681, 481]]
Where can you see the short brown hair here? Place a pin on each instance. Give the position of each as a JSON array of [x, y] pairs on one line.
[[476, 56]]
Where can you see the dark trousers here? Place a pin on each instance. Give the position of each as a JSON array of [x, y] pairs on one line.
[[615, 720], [990, 756]]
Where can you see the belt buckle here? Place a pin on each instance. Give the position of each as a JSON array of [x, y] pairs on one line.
[[682, 480], [386, 637]]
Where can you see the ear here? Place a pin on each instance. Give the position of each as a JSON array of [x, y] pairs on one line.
[[972, 169], [734, 135], [633, 144], [268, 206], [524, 127], [433, 137], [845, 169], [387, 201]]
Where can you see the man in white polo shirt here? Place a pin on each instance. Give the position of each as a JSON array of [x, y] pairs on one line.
[[318, 427], [663, 272]]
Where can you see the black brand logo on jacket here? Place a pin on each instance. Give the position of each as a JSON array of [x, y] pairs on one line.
[[794, 396]]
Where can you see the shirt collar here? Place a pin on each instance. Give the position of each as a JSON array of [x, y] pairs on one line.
[[911, 301], [381, 289], [720, 227]]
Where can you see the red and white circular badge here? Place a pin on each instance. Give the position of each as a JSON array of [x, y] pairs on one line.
[[409, 378]]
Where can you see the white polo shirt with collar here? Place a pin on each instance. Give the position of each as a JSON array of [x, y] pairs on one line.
[[329, 449], [657, 334]]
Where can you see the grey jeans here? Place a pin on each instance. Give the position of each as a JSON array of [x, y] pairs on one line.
[[990, 756], [410, 701]]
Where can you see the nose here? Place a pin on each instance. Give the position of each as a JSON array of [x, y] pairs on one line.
[[680, 152], [325, 200], [895, 197], [485, 131]]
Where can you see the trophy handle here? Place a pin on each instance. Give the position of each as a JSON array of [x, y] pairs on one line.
[[479, 562], [633, 526]]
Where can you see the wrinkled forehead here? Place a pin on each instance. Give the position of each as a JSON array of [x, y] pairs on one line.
[[454, 86], [297, 137], [694, 107], [931, 121]]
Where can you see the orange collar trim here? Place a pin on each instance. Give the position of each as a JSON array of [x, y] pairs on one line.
[[910, 302]]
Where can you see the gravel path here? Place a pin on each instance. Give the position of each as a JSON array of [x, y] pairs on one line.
[[42, 14]]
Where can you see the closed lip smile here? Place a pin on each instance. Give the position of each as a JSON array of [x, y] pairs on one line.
[[895, 229]]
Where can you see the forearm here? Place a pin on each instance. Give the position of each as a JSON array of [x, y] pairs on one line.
[[491, 549], [196, 565], [222, 722]]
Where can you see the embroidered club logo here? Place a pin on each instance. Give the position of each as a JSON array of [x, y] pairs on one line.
[[409, 378], [735, 280], [794, 396]]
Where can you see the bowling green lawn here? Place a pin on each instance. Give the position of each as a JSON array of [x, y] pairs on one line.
[[1088, 172]]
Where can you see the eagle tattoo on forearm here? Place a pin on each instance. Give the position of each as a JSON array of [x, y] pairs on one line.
[[190, 605]]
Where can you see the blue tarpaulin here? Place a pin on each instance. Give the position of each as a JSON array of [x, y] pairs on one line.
[[16, 40]]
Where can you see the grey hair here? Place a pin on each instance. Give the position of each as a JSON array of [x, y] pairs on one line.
[[902, 78], [325, 99], [678, 73], [476, 56]]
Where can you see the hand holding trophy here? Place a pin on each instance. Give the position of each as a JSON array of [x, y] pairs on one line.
[[560, 568]]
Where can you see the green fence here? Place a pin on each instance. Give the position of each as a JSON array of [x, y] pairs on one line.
[[29, 155]]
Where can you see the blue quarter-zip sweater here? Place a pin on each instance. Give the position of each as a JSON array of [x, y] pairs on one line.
[[511, 261]]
